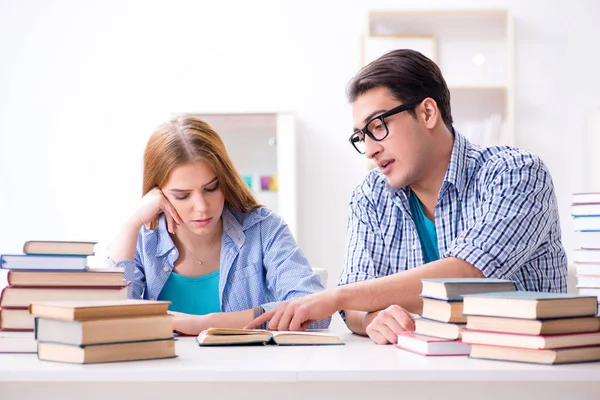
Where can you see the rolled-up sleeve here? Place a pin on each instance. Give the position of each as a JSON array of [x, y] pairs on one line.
[[288, 272], [518, 204], [133, 274]]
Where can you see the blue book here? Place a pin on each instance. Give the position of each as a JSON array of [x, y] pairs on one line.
[[43, 262], [452, 289], [530, 305]]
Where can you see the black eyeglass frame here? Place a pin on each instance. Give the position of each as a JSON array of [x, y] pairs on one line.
[[381, 117]]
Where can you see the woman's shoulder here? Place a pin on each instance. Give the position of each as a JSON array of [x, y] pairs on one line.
[[253, 218]]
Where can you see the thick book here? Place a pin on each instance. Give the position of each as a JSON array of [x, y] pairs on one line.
[[58, 247], [224, 336], [109, 352], [443, 330], [91, 277], [443, 311], [21, 297], [553, 356], [16, 319], [430, 346], [85, 310], [531, 341], [17, 342], [534, 326], [43, 262], [455, 288], [530, 305], [113, 330]]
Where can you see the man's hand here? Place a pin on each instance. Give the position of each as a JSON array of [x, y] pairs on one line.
[[384, 327], [298, 314]]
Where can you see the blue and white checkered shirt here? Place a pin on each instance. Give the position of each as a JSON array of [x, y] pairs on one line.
[[496, 210], [261, 264]]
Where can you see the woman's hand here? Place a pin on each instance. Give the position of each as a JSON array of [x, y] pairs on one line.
[[152, 204], [188, 324]]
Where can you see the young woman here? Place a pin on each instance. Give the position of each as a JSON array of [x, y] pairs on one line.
[[200, 240]]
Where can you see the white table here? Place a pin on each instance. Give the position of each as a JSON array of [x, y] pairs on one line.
[[358, 370]]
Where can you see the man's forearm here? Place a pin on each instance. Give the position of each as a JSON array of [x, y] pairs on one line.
[[402, 288]]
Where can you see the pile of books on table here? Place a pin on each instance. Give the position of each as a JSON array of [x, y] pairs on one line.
[[103, 331], [545, 328], [438, 330]]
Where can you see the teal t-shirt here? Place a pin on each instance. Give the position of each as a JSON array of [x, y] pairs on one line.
[[425, 229], [198, 295]]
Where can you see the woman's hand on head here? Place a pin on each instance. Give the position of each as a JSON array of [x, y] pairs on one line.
[[154, 203]]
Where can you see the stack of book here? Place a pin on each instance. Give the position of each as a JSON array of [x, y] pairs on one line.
[[545, 328], [86, 332], [585, 209], [50, 271], [438, 330]]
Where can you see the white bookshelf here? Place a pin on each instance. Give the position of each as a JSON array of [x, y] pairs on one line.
[[262, 144], [473, 48]]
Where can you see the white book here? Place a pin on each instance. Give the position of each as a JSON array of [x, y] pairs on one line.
[[586, 256], [586, 223], [587, 239], [585, 209], [585, 198], [587, 269], [45, 262], [17, 342], [588, 281]]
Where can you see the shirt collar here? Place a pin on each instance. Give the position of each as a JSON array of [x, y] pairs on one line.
[[456, 174]]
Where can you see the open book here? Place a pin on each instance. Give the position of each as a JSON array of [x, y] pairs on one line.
[[230, 337]]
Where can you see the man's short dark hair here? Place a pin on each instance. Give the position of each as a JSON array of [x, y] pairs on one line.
[[409, 76]]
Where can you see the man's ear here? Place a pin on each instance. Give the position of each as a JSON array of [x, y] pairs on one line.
[[430, 112]]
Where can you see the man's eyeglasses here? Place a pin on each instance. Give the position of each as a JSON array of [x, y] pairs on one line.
[[376, 128]]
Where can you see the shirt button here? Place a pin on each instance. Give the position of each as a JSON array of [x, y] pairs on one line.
[[151, 299], [173, 251], [166, 269]]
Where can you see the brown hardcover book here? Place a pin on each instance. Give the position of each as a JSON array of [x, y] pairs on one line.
[[531, 341], [533, 326], [16, 319], [58, 247], [85, 310], [530, 305], [114, 330], [21, 297], [556, 356], [110, 352], [222, 336], [443, 311], [91, 277]]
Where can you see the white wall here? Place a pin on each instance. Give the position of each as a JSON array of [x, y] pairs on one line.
[[83, 85]]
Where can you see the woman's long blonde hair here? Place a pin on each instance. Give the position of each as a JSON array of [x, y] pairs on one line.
[[188, 139]]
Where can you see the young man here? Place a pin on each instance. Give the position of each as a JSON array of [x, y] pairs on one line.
[[437, 206]]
